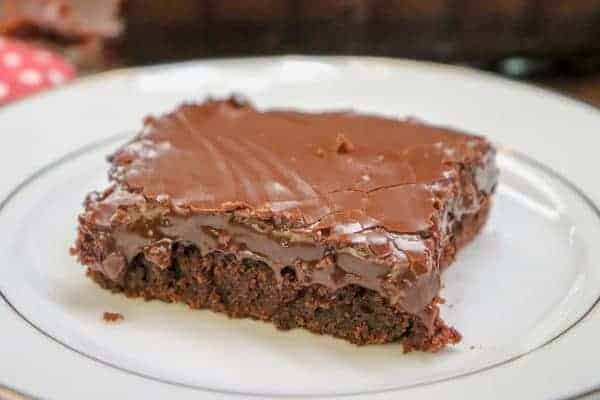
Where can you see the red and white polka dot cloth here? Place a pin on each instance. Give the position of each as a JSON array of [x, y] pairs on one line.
[[26, 69]]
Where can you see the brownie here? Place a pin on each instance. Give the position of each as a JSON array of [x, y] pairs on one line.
[[336, 222], [83, 31]]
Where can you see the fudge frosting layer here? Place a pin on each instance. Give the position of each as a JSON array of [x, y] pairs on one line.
[[341, 198], [207, 157]]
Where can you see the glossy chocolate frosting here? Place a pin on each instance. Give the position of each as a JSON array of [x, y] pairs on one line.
[[341, 198]]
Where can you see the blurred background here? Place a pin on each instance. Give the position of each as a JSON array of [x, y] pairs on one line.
[[554, 43]]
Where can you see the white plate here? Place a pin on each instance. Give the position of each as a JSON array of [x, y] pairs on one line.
[[523, 293]]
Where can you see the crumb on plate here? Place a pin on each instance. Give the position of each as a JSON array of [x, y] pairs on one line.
[[112, 317]]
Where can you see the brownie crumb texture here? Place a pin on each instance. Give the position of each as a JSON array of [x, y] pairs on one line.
[[250, 289]]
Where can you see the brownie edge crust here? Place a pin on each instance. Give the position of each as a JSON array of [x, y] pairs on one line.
[[338, 223]]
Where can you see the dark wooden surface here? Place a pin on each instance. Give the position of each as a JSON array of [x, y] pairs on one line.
[[585, 88]]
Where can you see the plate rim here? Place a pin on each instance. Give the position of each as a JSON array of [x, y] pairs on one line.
[[400, 61]]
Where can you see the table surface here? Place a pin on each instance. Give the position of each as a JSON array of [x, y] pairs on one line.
[[586, 88]]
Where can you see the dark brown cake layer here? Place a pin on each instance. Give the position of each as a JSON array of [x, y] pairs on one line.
[[221, 283], [338, 199]]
